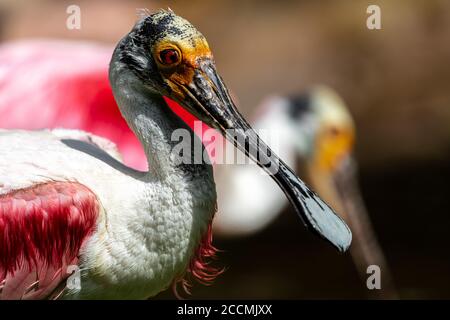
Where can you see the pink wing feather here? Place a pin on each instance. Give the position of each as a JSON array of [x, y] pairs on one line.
[[42, 229]]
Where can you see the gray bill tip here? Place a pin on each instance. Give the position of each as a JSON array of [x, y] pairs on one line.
[[327, 224], [317, 216]]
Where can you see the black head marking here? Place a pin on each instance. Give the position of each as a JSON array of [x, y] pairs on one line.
[[163, 24], [135, 49], [299, 105]]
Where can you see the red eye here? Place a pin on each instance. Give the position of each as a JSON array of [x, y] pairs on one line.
[[169, 56]]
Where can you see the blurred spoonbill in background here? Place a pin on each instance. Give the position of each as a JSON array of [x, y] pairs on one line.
[[315, 133]]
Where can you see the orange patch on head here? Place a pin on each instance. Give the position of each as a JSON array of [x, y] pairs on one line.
[[182, 72], [332, 148], [200, 49]]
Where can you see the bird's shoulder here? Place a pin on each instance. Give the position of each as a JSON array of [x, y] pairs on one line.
[[30, 157], [105, 144]]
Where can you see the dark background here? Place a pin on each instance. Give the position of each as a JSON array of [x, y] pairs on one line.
[[396, 82]]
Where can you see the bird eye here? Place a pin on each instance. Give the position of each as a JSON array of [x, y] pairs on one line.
[[169, 56]]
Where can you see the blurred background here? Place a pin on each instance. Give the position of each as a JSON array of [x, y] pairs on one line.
[[396, 82]]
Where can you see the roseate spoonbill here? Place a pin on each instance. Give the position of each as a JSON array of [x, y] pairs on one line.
[[315, 131], [54, 73], [65, 202]]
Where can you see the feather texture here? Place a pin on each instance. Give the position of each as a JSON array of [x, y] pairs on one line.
[[43, 227]]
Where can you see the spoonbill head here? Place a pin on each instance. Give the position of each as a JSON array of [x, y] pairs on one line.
[[333, 132]]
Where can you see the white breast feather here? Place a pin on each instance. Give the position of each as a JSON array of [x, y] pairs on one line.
[[146, 231]]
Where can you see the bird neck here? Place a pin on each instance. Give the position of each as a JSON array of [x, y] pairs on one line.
[[154, 124]]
